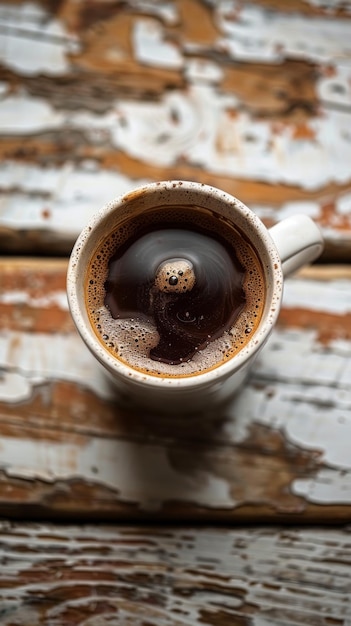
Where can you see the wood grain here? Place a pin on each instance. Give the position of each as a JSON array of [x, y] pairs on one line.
[[80, 575], [99, 98], [279, 451]]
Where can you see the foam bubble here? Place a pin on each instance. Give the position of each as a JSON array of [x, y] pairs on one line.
[[175, 276]]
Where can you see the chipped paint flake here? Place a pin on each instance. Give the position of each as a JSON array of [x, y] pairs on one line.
[[22, 115], [199, 70], [151, 48], [32, 42], [14, 388]]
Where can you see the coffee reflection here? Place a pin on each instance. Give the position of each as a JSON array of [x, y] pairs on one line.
[[186, 283]]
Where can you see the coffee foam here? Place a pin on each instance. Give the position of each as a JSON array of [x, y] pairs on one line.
[[130, 340]]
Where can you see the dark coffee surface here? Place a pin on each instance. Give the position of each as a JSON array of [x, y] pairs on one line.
[[175, 291], [187, 283]]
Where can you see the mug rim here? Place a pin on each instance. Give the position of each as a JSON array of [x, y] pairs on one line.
[[76, 279]]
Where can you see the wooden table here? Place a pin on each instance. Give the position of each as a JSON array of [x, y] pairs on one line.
[[109, 517]]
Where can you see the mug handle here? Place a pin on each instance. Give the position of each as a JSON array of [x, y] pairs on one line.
[[298, 240]]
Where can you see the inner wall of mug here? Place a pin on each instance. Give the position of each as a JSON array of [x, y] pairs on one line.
[[172, 193]]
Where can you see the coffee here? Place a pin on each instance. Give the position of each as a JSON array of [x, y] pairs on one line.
[[175, 291]]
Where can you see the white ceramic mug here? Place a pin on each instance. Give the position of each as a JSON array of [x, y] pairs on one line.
[[284, 248]]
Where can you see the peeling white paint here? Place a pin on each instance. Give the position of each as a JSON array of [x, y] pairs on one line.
[[21, 115], [313, 417], [208, 135], [14, 387], [40, 356], [298, 386], [317, 419], [166, 11], [333, 297], [343, 205], [310, 208], [199, 70], [292, 574], [338, 230], [331, 5], [327, 487], [139, 473], [16, 297], [4, 88], [303, 389], [150, 134], [32, 42], [253, 33], [198, 125], [309, 361], [334, 87], [151, 48], [59, 199]]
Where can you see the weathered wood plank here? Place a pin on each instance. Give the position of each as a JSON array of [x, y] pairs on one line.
[[178, 576], [97, 99], [280, 451]]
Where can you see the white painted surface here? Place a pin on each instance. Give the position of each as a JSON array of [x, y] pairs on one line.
[[331, 5], [328, 487], [151, 48], [57, 199], [205, 134], [166, 10], [14, 387], [39, 356], [16, 297], [260, 34], [315, 296], [308, 397], [21, 114], [299, 386], [200, 125], [32, 42], [142, 474], [60, 200]]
